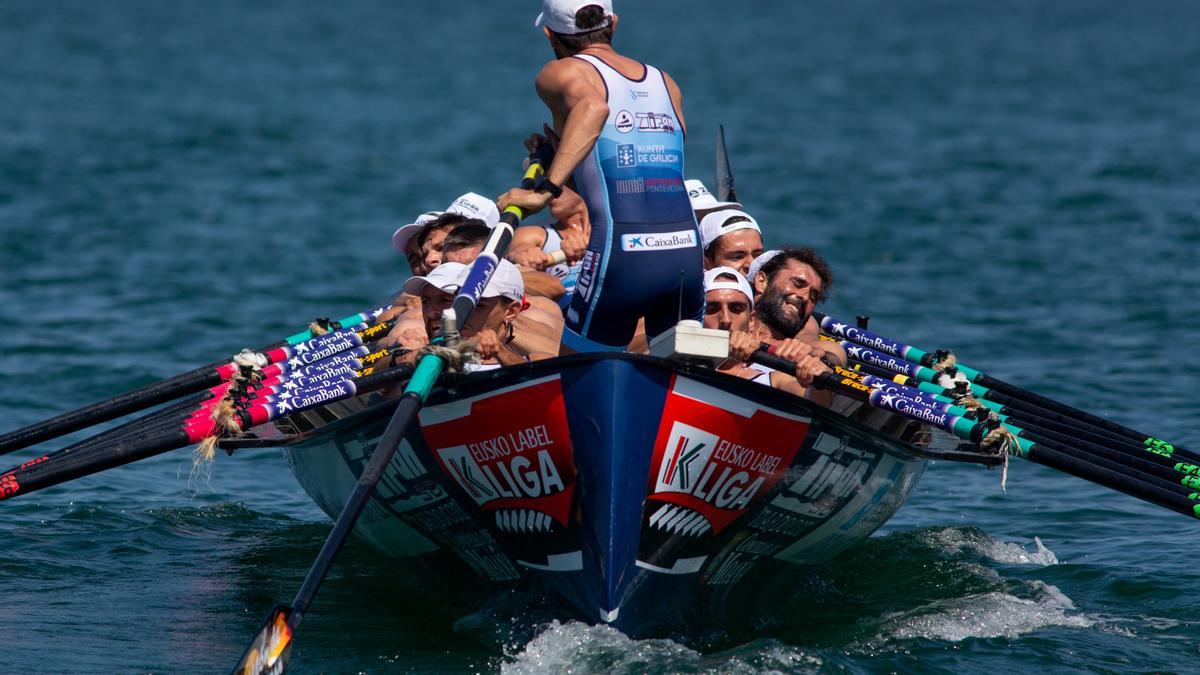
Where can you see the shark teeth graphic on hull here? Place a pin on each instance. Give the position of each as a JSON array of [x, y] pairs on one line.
[[679, 520], [522, 520]]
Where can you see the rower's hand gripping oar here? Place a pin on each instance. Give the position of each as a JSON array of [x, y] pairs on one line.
[[271, 648], [158, 392]]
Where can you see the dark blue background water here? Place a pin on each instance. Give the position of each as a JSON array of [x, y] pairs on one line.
[[1013, 179]]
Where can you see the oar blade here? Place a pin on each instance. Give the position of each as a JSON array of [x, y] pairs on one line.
[[726, 191], [268, 654]]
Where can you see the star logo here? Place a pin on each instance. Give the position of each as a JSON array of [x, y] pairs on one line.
[[295, 363], [855, 352], [289, 385], [877, 385], [889, 399], [635, 242], [838, 329], [283, 407], [302, 348]]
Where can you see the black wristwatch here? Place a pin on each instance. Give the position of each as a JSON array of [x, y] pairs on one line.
[[544, 184]]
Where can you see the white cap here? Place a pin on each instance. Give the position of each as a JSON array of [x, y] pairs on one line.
[[559, 15], [401, 236], [712, 283], [444, 276], [762, 259], [474, 205], [506, 281], [717, 224], [470, 205], [702, 199]]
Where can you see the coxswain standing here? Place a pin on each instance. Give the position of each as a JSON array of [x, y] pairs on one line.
[[622, 143]]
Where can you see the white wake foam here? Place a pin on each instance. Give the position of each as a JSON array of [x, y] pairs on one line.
[[955, 540], [579, 648], [987, 615]]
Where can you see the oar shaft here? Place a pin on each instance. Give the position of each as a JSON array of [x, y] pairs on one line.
[[997, 390], [1070, 461], [104, 411], [402, 418], [191, 382]]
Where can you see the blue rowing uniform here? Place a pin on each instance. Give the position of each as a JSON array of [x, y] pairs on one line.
[[644, 257]]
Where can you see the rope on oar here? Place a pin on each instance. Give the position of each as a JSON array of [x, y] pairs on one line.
[[1003, 442]]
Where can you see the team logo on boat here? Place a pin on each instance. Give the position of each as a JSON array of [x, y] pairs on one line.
[[514, 457], [715, 454]]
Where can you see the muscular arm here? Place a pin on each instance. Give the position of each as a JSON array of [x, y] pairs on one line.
[[542, 284], [525, 251], [569, 88], [575, 95]]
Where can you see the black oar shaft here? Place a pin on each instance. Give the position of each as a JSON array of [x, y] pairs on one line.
[[1065, 459], [60, 468], [1115, 480], [402, 418], [111, 409]]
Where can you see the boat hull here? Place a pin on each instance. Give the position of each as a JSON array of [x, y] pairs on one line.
[[646, 494]]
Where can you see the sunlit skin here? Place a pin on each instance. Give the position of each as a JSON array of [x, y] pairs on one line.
[[431, 250], [726, 309], [463, 254], [737, 250], [800, 287]]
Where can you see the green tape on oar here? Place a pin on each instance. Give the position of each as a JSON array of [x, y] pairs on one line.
[[352, 320]]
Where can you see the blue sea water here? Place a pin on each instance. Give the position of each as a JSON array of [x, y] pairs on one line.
[[1013, 179]]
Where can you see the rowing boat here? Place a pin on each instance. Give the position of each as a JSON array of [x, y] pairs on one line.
[[646, 493]]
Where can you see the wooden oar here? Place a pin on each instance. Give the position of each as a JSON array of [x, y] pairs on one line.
[[991, 388], [1034, 424], [932, 381], [1167, 474], [67, 464], [1078, 464], [270, 650], [186, 383]]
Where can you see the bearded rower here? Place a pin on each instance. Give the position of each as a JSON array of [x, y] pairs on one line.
[[622, 142]]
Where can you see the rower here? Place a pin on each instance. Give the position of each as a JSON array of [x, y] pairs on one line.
[[729, 306], [421, 240], [490, 325], [789, 284], [622, 142], [532, 246], [539, 325], [731, 238]]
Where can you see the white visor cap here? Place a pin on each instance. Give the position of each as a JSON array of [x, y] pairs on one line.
[[757, 264], [559, 15], [444, 277], [739, 283], [506, 281], [401, 236], [473, 205], [720, 223], [703, 200]]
